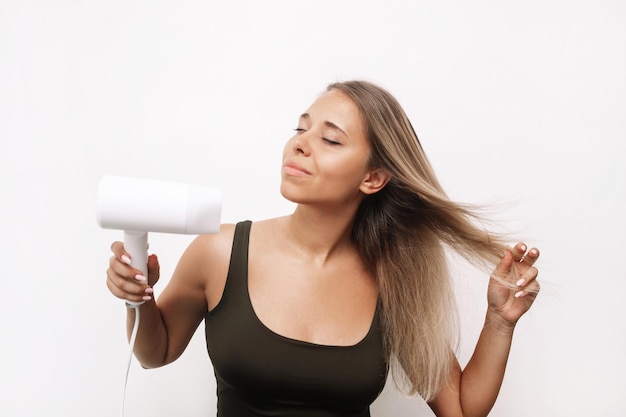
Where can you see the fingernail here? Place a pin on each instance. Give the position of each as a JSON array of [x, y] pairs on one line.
[[533, 252], [523, 247], [140, 278], [126, 259], [149, 290], [146, 298], [519, 294], [520, 282]]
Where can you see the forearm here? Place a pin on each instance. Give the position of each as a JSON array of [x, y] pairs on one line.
[[472, 392], [151, 341], [482, 377]]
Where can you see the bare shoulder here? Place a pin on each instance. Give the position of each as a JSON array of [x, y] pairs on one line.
[[213, 248], [212, 252], [202, 269], [268, 228]]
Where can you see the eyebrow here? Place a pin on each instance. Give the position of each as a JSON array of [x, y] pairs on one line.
[[326, 123]]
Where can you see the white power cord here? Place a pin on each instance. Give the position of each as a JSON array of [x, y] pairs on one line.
[[131, 343]]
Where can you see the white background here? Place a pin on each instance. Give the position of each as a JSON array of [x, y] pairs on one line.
[[522, 104]]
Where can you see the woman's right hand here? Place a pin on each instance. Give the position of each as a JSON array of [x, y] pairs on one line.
[[126, 282]]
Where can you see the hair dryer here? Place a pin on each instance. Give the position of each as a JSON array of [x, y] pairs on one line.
[[138, 206]]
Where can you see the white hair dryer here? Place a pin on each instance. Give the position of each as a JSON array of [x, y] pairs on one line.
[[138, 206]]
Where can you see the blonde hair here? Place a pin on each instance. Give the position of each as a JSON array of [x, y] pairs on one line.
[[402, 233]]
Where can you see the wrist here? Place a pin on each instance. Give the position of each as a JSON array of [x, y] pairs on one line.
[[495, 321]]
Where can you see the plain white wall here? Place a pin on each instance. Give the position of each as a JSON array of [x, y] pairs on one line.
[[515, 102]]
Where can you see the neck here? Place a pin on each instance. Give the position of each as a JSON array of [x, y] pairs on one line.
[[318, 234]]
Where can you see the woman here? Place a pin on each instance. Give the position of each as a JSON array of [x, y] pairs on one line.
[[306, 313]]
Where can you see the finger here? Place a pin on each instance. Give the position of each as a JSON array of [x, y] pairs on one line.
[[531, 256], [522, 255], [532, 288], [118, 249], [504, 266], [527, 277], [153, 269], [519, 251], [138, 297], [128, 289], [127, 281], [125, 271]]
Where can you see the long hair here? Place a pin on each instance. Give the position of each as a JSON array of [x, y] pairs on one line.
[[402, 233]]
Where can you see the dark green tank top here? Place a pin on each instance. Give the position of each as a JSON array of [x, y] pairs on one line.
[[261, 373]]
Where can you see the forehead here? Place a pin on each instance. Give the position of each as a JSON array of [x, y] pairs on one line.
[[336, 107]]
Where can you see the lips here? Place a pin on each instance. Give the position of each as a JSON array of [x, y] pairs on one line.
[[295, 169]]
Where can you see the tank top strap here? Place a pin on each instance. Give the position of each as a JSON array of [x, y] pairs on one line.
[[237, 278]]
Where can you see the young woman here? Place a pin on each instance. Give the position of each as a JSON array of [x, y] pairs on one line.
[[306, 313]]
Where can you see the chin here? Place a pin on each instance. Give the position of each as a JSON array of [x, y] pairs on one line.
[[295, 194], [290, 194]]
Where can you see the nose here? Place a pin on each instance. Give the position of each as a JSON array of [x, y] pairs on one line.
[[301, 144]]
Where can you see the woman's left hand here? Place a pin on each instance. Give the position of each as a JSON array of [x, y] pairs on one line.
[[516, 268]]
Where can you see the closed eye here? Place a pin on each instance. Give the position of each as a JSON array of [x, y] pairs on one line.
[[328, 141], [331, 142]]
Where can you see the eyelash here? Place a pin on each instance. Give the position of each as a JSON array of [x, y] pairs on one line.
[[330, 142]]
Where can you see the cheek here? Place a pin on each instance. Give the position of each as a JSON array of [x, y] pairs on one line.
[[349, 169]]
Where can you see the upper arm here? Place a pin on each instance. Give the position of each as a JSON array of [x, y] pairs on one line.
[[197, 282], [447, 402]]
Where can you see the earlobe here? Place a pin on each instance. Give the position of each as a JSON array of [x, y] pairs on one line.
[[375, 181]]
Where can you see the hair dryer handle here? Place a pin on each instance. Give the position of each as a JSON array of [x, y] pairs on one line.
[[136, 244]]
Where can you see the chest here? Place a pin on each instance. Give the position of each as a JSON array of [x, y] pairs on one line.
[[330, 304]]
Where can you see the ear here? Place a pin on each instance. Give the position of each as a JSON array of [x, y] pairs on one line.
[[374, 181]]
